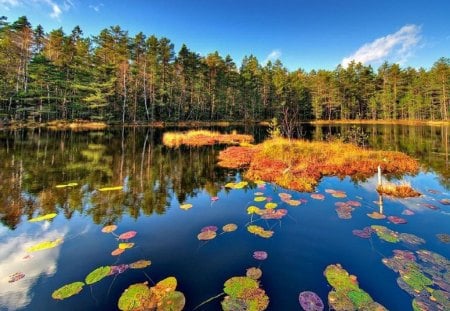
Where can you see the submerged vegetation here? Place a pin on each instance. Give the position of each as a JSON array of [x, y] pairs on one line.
[[203, 137], [299, 164]]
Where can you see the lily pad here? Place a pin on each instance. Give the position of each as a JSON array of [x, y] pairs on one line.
[[140, 264], [408, 212], [317, 196], [386, 234], [135, 297], [127, 235], [260, 231], [259, 199], [397, 220], [43, 217], [284, 196], [117, 252], [365, 233], [165, 286], [339, 194], [109, 229], [97, 275], [274, 214], [186, 206], [67, 290], [172, 301], [206, 235], [430, 206], [260, 255], [310, 301], [245, 294], [376, 215], [294, 202], [254, 273], [115, 270], [411, 239], [114, 188], [253, 210], [44, 245], [354, 203], [271, 205], [209, 228], [443, 237], [445, 201], [241, 185], [16, 277], [125, 245], [229, 228]]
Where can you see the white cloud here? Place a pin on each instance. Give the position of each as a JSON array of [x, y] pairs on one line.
[[97, 7], [396, 47], [56, 7], [274, 55], [8, 4]]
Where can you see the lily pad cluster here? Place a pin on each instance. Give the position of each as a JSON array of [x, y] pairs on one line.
[[210, 232], [161, 297], [346, 293], [391, 236], [122, 237], [424, 275], [244, 293], [260, 231]]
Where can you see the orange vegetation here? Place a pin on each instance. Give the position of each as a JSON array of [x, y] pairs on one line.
[[398, 191], [203, 138], [77, 125], [299, 164]]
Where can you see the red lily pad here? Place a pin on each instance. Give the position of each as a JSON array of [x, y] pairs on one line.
[[408, 212], [430, 206], [364, 233], [354, 203], [117, 251], [127, 235], [310, 301], [209, 228], [115, 270], [260, 255], [214, 199], [397, 220]]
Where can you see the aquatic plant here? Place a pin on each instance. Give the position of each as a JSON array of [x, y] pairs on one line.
[[203, 137], [244, 292], [346, 293], [299, 164], [260, 231], [386, 234], [68, 290], [310, 301]]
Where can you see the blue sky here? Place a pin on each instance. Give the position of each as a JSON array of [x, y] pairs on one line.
[[307, 34]]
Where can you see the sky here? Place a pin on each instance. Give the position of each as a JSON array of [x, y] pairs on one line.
[[306, 34]]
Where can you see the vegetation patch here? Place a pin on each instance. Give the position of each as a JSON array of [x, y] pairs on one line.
[[204, 138], [79, 125], [299, 164], [398, 191]]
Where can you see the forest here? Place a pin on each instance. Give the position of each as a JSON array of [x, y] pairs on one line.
[[118, 78]]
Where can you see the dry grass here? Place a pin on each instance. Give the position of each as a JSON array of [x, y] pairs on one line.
[[77, 125], [203, 138], [299, 164], [399, 191]]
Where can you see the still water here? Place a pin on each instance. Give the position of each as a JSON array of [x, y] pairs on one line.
[[156, 180]]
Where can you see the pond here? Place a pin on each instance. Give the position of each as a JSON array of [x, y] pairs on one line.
[[67, 173]]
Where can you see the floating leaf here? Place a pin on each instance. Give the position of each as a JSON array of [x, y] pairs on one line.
[[386, 234], [354, 203], [230, 185], [284, 196], [206, 235], [125, 245], [44, 245], [165, 286], [134, 297], [117, 252], [257, 230], [445, 201], [44, 217], [430, 206], [109, 229], [260, 255], [127, 235], [339, 194], [397, 220], [115, 188], [229, 228], [240, 185], [172, 301], [330, 191], [260, 199], [376, 215], [115, 270], [364, 233], [310, 301], [15, 277], [67, 290], [293, 202], [97, 275], [317, 196], [344, 212], [244, 294], [274, 214], [140, 264], [411, 239], [209, 228], [186, 206], [253, 210], [443, 237], [271, 205], [254, 273]]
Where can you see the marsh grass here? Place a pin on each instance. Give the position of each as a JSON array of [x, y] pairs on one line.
[[204, 138], [300, 164]]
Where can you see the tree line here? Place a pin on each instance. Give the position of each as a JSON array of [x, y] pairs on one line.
[[118, 78]]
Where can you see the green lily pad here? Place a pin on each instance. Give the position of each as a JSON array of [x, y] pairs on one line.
[[43, 217], [386, 234], [244, 293], [97, 275], [67, 290], [135, 297], [172, 301], [44, 245]]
